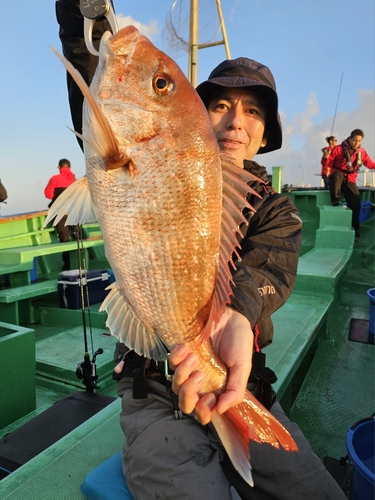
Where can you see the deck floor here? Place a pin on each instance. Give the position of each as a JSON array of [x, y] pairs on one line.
[[339, 389]]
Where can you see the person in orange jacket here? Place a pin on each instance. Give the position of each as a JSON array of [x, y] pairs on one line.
[[332, 142], [345, 160]]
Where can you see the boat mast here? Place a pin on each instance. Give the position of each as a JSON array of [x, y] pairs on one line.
[[194, 42]]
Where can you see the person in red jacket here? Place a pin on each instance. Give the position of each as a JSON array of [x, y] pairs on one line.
[[56, 185], [345, 161], [332, 142]]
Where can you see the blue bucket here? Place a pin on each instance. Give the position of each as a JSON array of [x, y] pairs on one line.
[[371, 296], [364, 213], [360, 443]]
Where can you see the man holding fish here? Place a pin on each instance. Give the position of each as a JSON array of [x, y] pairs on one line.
[[213, 346]]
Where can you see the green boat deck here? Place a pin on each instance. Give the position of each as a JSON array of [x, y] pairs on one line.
[[325, 381]]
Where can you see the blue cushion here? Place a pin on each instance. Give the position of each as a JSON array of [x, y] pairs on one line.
[[106, 482]]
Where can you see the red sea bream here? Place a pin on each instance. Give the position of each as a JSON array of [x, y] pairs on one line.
[[169, 208]]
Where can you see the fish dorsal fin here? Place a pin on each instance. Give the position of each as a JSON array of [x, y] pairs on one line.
[[235, 192], [124, 325], [75, 201], [101, 138]]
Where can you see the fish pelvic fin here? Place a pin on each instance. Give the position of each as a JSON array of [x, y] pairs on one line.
[[101, 137], [75, 201], [249, 420], [123, 324]]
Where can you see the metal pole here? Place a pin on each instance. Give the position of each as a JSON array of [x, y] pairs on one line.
[[276, 178], [222, 25], [193, 43]]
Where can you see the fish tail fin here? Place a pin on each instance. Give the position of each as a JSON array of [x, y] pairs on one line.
[[249, 420], [233, 432]]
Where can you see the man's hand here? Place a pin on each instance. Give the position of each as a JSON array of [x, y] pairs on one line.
[[232, 339]]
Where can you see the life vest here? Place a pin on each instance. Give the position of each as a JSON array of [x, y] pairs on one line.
[[350, 168]]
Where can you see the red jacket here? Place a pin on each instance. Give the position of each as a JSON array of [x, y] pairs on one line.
[[337, 160], [62, 180], [325, 169]]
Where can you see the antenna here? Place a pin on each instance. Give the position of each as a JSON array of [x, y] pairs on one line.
[[338, 96]]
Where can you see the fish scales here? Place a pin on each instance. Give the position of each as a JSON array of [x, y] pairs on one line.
[[152, 245], [155, 182], [171, 209]]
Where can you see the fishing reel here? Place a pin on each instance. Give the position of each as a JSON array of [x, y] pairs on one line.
[[86, 371]]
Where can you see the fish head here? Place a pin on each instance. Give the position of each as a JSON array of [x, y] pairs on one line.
[[145, 97]]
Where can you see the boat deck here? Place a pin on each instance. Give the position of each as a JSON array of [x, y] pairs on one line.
[[326, 380]]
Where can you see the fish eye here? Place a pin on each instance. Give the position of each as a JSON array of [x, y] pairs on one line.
[[162, 84]]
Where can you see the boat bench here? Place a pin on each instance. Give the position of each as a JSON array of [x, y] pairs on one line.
[[36, 237], [11, 299], [302, 320], [20, 260], [297, 324], [321, 268], [21, 255]]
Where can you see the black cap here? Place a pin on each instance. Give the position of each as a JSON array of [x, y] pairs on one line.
[[243, 72]]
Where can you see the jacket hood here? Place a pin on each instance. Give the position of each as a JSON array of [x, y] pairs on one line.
[[67, 173]]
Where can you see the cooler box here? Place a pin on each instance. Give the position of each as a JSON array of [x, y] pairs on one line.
[[70, 291]]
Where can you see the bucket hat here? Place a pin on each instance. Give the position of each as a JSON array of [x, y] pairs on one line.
[[243, 72]]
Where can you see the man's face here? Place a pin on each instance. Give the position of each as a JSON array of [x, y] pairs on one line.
[[238, 118], [355, 141]]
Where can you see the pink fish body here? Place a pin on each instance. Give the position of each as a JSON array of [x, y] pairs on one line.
[[169, 208]]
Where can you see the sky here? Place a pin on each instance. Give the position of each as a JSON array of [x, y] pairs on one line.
[[321, 53]]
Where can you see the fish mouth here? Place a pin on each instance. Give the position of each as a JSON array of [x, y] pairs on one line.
[[119, 44]]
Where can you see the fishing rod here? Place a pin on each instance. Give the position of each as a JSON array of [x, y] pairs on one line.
[[86, 370], [338, 96]]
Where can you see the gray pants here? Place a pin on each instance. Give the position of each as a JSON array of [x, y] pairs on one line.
[[170, 459]]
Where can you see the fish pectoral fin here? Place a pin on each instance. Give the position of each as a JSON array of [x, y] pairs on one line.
[[124, 325], [75, 201]]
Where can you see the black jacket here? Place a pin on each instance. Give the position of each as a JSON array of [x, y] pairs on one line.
[[265, 277], [70, 19]]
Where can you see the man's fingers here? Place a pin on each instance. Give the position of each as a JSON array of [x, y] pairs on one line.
[[188, 392], [183, 371], [227, 400], [177, 355], [205, 407]]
